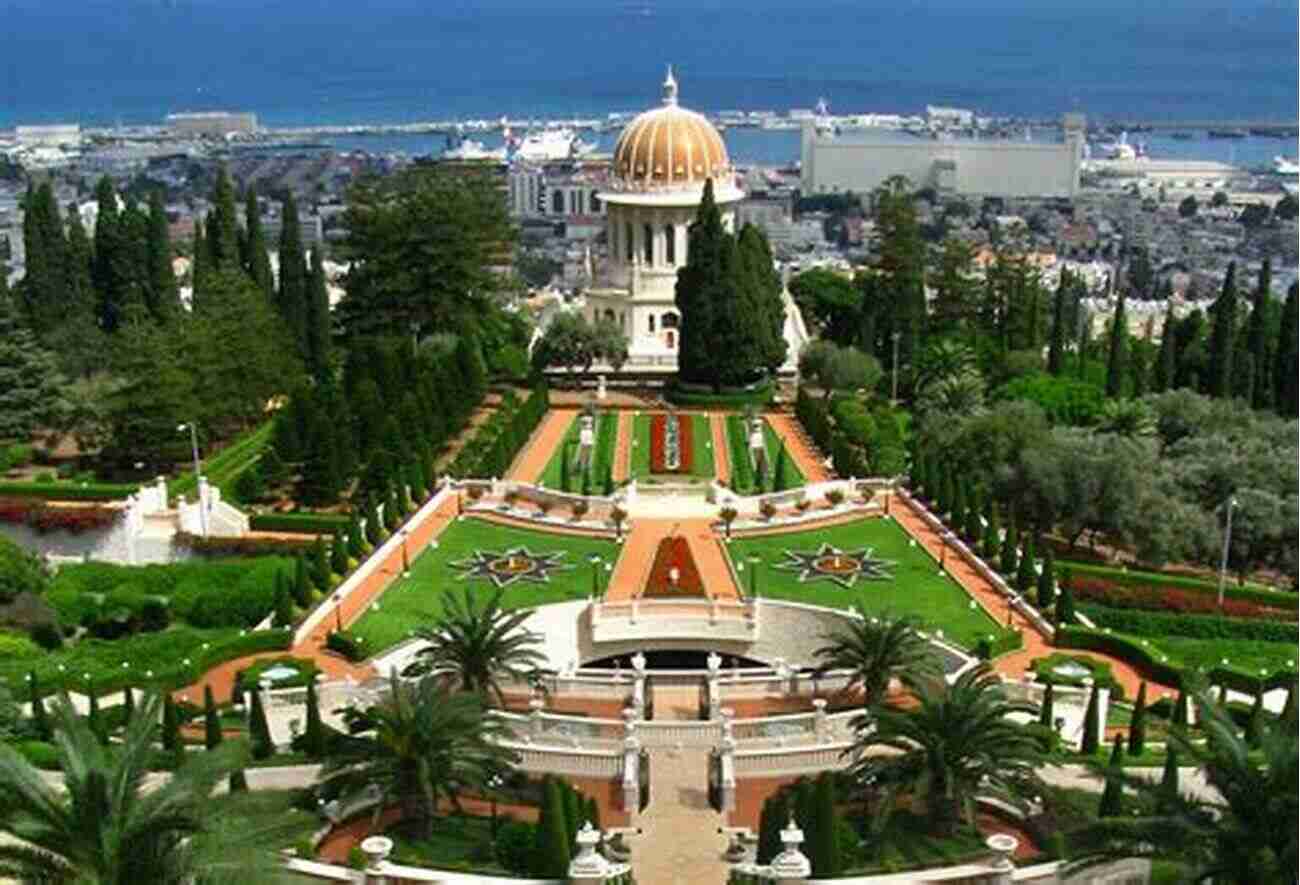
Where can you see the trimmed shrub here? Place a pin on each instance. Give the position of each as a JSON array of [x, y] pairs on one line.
[[1143, 623], [304, 523], [998, 644]]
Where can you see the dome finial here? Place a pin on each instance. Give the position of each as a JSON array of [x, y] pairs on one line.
[[670, 87]]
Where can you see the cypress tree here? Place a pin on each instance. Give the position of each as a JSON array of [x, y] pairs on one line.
[[958, 501], [1091, 730], [1255, 724], [564, 466], [1047, 581], [1137, 726], [608, 485], [572, 810], [162, 293], [824, 836], [257, 261], [374, 525], [1259, 341], [259, 732], [238, 781], [1182, 717], [699, 283], [1168, 791], [972, 527], [776, 811], [1047, 710], [81, 286], [551, 852], [1165, 368], [318, 325], [29, 378], [991, 541], [1025, 574], [109, 274], [1223, 333], [1117, 357], [392, 511], [1010, 556], [293, 274], [1085, 345], [338, 555], [40, 720], [1065, 600], [947, 493], [805, 802], [93, 719], [200, 261], [313, 736], [778, 471], [283, 601], [1056, 345], [1112, 797], [211, 722], [223, 229], [45, 283], [1289, 718], [356, 543], [1286, 364], [592, 812], [171, 727], [301, 583], [320, 566], [128, 703]]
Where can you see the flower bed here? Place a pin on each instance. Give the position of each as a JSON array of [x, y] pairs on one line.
[[1113, 594], [47, 518], [672, 445], [674, 553]]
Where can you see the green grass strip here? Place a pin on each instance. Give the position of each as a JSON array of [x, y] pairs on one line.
[[223, 468], [742, 469], [702, 435], [794, 477]]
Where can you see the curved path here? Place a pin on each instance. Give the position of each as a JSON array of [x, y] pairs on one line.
[[721, 451], [1036, 645], [797, 443], [532, 459]]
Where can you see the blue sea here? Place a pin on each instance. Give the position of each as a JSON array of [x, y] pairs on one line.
[[331, 61]]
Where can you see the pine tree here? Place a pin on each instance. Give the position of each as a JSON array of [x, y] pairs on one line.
[[40, 719], [1112, 796], [257, 261], [211, 722], [162, 293], [259, 732], [1137, 726], [1056, 347], [1047, 581], [318, 330], [1047, 710], [1223, 333], [1286, 359], [1091, 730], [313, 735], [1025, 574], [1260, 341], [551, 852], [824, 848], [1117, 357], [29, 379], [293, 274]]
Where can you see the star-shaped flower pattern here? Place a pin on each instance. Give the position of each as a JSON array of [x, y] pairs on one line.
[[505, 567], [843, 567]]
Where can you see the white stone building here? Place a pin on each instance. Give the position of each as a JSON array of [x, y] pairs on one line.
[[661, 163]]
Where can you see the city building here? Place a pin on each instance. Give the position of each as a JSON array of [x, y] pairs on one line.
[[554, 192], [861, 162], [214, 123], [661, 162], [59, 135]]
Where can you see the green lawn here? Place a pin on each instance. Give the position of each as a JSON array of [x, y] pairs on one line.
[[701, 438], [916, 588], [1243, 654], [416, 601], [459, 842], [606, 442], [223, 468]]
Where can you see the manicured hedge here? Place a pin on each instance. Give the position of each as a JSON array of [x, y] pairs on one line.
[[52, 491], [217, 545], [1128, 650], [1154, 624], [742, 468], [1274, 598], [1173, 600], [305, 523], [861, 442], [996, 645], [760, 395], [1100, 672], [496, 442]]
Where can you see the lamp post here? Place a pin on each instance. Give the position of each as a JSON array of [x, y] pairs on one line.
[[943, 551], [194, 450], [594, 559], [893, 395], [406, 562], [1227, 544], [494, 784], [338, 611], [753, 576]]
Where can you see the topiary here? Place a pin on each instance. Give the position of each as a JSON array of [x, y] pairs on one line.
[[20, 571]]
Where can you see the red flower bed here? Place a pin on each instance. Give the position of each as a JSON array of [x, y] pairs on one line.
[[659, 444], [1169, 599], [674, 553], [46, 518]]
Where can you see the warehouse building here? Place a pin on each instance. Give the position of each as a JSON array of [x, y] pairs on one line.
[[861, 162]]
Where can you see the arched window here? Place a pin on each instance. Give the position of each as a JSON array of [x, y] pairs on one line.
[[557, 202], [670, 235], [651, 320], [668, 320], [627, 241], [672, 341], [648, 247], [609, 315]]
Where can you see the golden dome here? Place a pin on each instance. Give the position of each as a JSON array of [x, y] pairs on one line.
[[669, 146]]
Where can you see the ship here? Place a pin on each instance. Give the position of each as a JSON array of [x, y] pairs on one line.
[[1286, 166], [469, 149], [551, 145], [1227, 133]]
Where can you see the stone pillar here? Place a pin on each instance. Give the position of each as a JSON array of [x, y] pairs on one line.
[[714, 686], [376, 849], [821, 725], [631, 776], [727, 782], [600, 387], [728, 715], [588, 867], [629, 723], [1001, 868], [791, 866]]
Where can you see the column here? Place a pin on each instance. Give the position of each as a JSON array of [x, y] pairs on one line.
[[631, 776], [791, 866], [821, 725], [535, 724], [588, 867], [727, 766], [714, 689]]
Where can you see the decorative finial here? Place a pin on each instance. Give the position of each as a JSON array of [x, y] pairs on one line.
[[670, 87]]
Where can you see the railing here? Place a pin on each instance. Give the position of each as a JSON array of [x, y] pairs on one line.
[[678, 619], [572, 761], [792, 760]]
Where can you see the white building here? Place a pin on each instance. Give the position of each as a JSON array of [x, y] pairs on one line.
[[59, 135], [213, 123], [661, 162]]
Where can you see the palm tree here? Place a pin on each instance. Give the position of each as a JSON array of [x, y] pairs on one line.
[[104, 826], [876, 650], [956, 742], [422, 741], [1131, 418], [1245, 834], [479, 645]]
